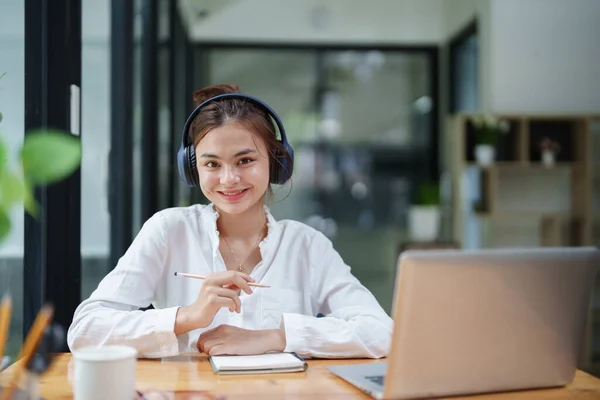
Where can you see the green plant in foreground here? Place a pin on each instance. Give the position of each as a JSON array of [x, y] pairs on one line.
[[46, 156]]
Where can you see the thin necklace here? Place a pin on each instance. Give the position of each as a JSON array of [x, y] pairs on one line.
[[241, 265]]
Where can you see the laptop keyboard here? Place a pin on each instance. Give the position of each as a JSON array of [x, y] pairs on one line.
[[378, 379]]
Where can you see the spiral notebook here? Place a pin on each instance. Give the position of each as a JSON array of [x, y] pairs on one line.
[[270, 363]]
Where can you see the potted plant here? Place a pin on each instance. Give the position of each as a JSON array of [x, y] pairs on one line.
[[488, 130], [424, 214], [549, 148]]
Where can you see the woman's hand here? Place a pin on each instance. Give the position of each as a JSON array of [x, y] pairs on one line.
[[231, 340], [219, 290]]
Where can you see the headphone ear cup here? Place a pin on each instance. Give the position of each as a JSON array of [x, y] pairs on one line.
[[194, 180], [182, 165], [281, 169], [186, 162], [275, 167], [286, 165]]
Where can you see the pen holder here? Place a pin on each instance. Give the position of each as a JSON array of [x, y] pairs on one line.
[[50, 343], [19, 394]]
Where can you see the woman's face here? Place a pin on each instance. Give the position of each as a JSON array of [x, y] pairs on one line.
[[233, 167]]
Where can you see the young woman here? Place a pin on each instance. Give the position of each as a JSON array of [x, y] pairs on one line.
[[232, 241]]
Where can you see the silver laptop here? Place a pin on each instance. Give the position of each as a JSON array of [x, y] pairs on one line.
[[470, 322]]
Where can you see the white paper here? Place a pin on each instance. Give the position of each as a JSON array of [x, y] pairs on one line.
[[270, 360]]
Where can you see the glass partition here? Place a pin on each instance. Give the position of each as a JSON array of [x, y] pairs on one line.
[[361, 124], [12, 129]]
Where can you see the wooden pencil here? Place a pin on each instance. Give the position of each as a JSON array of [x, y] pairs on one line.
[[186, 275], [5, 313]]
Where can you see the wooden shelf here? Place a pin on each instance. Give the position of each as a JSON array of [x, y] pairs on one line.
[[526, 214], [533, 117], [520, 165], [497, 187]]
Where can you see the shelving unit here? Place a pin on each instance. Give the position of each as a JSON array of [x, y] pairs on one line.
[[518, 189], [520, 202]]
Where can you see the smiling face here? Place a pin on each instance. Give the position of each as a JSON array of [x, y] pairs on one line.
[[233, 167]]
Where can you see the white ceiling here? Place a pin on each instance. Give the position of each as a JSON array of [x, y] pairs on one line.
[[340, 21]]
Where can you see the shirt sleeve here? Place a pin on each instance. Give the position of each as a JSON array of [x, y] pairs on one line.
[[112, 315], [354, 325]]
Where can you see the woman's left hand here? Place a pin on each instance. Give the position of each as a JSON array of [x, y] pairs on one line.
[[231, 340]]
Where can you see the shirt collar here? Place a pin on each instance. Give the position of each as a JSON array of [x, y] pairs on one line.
[[209, 223]]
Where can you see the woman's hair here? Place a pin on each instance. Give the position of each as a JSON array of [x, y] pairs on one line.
[[244, 112]]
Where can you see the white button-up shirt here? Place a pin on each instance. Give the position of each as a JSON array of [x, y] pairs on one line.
[[305, 274]]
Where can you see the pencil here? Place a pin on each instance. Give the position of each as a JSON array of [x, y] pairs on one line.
[[31, 342], [5, 311], [203, 277]]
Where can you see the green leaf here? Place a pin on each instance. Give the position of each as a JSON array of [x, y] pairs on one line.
[[50, 156], [30, 204], [12, 189], [5, 224], [1, 117]]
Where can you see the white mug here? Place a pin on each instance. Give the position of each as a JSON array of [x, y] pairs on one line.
[[106, 372]]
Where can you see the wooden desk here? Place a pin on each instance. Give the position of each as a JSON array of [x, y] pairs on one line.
[[194, 373]]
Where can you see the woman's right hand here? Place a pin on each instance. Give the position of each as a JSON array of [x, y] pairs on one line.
[[218, 290]]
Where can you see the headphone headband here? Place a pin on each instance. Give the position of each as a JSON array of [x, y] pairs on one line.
[[252, 99], [186, 156]]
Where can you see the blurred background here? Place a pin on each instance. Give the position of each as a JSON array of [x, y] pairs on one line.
[[415, 123]]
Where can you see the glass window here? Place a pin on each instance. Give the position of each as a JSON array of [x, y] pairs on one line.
[[165, 135], [12, 127], [361, 125], [95, 121], [272, 75], [137, 116], [464, 79]]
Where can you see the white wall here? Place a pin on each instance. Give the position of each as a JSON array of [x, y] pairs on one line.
[[545, 56], [458, 13], [355, 21], [537, 56]]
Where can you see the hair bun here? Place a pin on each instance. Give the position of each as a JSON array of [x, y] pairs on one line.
[[201, 95]]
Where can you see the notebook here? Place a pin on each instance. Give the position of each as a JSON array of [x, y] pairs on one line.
[[270, 363]]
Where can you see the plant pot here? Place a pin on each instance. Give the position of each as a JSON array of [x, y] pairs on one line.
[[548, 158], [485, 154], [423, 223]]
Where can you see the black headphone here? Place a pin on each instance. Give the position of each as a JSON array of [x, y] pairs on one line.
[[280, 170]]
